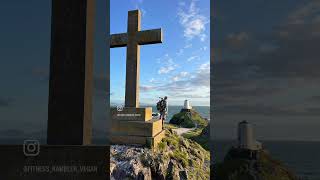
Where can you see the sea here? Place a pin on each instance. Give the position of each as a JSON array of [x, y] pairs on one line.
[[302, 158], [203, 110]]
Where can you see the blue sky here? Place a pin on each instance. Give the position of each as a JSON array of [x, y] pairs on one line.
[[177, 68]]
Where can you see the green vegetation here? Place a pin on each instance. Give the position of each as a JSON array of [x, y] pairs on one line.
[[188, 119], [171, 126], [200, 136], [188, 153]]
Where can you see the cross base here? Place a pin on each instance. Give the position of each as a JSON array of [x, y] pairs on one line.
[[148, 141], [135, 130]]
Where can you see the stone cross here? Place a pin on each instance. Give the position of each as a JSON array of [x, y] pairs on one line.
[[133, 39], [71, 73]]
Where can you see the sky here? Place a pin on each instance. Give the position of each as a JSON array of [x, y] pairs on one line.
[[179, 67], [266, 68]]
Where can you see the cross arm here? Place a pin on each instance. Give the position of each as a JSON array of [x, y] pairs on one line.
[[152, 36], [118, 40]]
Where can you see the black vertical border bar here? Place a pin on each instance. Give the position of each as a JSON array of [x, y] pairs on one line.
[[212, 11], [108, 123], [108, 70]]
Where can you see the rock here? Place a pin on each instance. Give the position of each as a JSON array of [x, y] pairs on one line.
[[241, 164], [125, 163], [183, 175], [173, 159], [188, 119]]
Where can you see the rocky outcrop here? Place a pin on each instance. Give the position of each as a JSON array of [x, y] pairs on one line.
[[241, 164], [125, 162], [175, 158], [188, 119]]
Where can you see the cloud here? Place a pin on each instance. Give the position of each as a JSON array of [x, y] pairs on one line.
[[192, 58], [237, 40], [204, 48], [152, 80], [186, 84], [180, 76], [166, 70], [192, 21], [138, 5], [167, 64], [265, 110], [254, 71], [303, 14], [146, 88]]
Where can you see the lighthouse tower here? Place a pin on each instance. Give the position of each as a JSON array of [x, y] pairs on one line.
[[246, 139], [186, 107], [187, 104]]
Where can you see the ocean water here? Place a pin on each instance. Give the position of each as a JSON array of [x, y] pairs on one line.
[[303, 158], [203, 110]]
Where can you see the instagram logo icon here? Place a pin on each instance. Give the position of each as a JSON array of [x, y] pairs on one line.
[[31, 147]]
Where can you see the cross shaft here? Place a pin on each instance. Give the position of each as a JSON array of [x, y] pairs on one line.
[[133, 39]]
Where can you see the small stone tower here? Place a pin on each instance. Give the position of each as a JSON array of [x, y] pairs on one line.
[[246, 138]]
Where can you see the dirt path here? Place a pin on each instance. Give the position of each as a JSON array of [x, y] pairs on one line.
[[181, 131]]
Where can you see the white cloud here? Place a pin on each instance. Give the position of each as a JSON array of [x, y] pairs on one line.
[[184, 85], [167, 64], [152, 80], [305, 13], [192, 21], [204, 67], [180, 76], [187, 82], [204, 48], [193, 58], [138, 5], [145, 88], [166, 70], [203, 37]]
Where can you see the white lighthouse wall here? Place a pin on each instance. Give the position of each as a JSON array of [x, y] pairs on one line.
[[246, 139], [187, 105]]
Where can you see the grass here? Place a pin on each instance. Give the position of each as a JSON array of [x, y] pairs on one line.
[[195, 135], [170, 126], [183, 119], [186, 152]]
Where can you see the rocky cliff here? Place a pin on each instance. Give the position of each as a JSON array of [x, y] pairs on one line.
[[175, 158], [241, 165]]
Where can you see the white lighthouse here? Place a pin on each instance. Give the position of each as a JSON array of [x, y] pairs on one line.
[[187, 105], [246, 138]]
